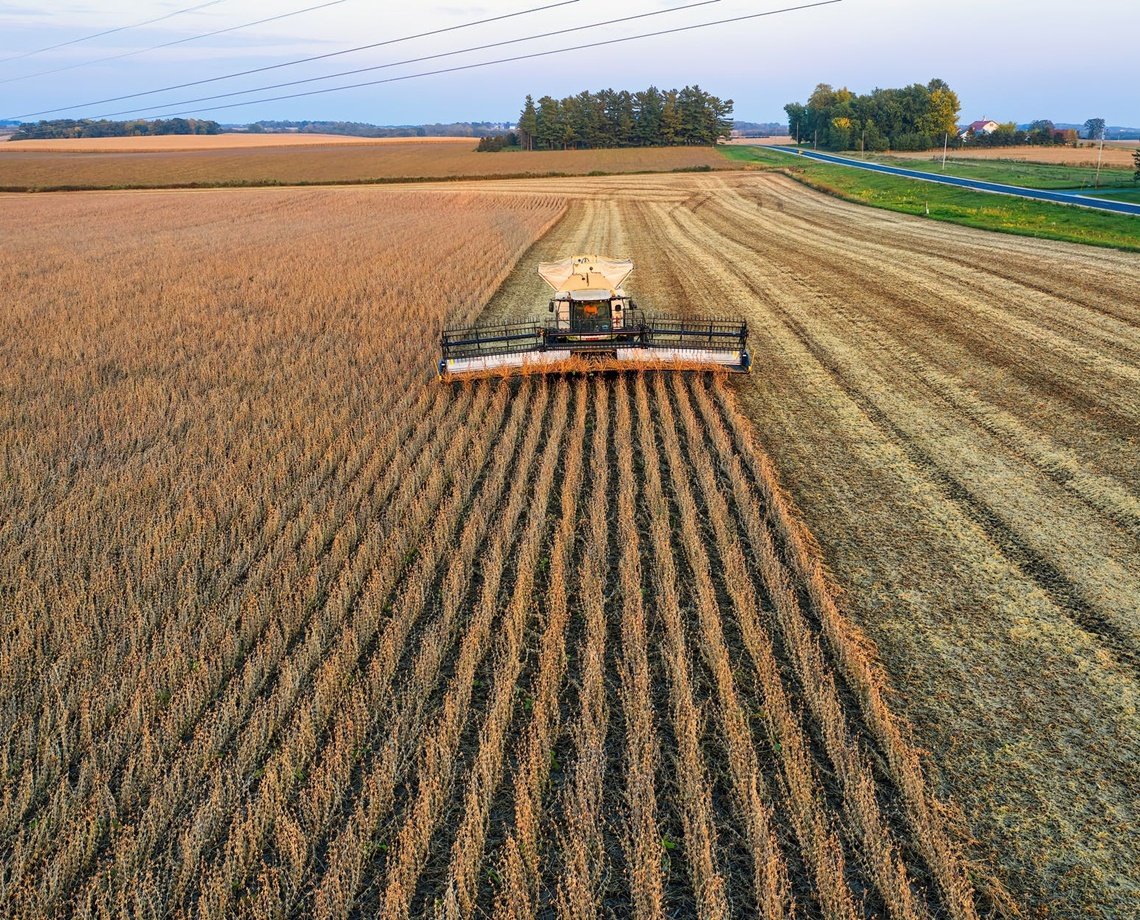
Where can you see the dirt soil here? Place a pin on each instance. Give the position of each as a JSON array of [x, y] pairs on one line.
[[957, 415]]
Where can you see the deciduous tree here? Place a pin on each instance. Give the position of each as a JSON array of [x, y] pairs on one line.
[[942, 110], [907, 118], [797, 119], [1041, 131]]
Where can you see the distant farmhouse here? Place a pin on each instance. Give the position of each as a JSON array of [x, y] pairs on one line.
[[986, 126]]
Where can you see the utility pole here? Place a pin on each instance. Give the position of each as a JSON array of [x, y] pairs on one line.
[[1099, 154], [945, 144]]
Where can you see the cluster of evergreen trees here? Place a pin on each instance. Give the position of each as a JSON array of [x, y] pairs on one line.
[[493, 143], [612, 118], [67, 127], [915, 117]]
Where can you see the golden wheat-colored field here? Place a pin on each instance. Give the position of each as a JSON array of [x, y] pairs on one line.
[[290, 629], [1118, 155], [781, 139], [217, 161]]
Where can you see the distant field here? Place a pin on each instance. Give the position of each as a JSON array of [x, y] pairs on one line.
[[23, 168], [215, 142], [761, 141], [1114, 154], [983, 210]]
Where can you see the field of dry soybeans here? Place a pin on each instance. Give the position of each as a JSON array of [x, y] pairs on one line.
[[289, 629]]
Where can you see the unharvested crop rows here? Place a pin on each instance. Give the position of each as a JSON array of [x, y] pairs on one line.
[[222, 480], [288, 629]]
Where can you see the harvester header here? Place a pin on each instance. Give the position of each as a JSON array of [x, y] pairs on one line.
[[595, 326]]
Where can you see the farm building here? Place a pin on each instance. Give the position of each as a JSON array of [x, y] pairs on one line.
[[985, 126]]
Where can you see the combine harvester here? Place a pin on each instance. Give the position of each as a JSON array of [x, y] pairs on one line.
[[596, 326]]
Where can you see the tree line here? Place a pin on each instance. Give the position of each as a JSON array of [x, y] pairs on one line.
[[914, 117], [365, 129], [619, 118], [85, 127], [493, 143], [1042, 133]]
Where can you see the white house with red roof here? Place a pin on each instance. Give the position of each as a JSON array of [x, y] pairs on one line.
[[985, 126]]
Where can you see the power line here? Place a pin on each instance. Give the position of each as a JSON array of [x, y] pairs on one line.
[[418, 60], [87, 38], [171, 44], [520, 57], [317, 57]]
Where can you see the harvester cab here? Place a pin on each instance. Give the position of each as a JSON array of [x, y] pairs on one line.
[[588, 297], [595, 326]]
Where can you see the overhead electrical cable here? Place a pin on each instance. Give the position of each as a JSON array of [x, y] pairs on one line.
[[506, 60], [418, 60], [177, 41], [87, 38], [305, 60]]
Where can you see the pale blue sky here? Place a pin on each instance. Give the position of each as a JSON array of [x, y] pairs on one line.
[[1014, 60]]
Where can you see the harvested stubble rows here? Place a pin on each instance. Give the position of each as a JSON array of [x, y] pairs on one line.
[[288, 629], [956, 414]]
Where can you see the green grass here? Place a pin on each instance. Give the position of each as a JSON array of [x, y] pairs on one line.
[[982, 210], [1015, 172], [1118, 194]]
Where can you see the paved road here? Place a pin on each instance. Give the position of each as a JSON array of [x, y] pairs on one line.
[[1084, 201]]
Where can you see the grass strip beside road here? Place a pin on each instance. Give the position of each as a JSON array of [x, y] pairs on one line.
[[1058, 176], [983, 210], [1118, 194]]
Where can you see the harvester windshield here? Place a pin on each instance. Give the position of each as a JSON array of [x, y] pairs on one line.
[[590, 313]]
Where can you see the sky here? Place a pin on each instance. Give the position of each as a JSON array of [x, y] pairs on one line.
[[1009, 60]]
